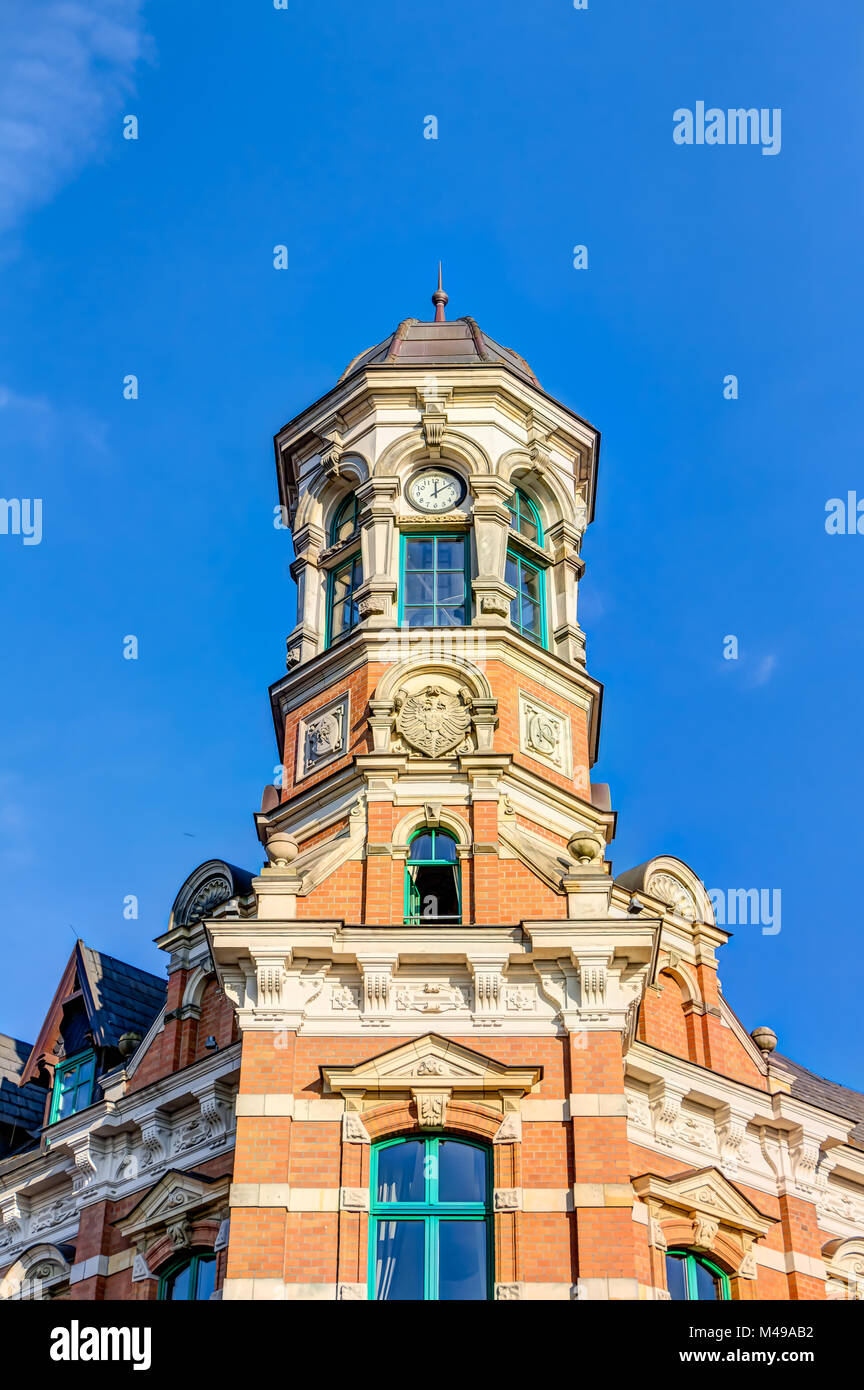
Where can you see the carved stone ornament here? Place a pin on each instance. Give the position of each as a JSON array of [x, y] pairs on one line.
[[322, 735], [209, 896], [508, 1292], [431, 1108], [544, 734], [431, 998], [434, 721], [673, 894]]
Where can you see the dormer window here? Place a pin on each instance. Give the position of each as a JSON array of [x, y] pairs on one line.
[[73, 1086]]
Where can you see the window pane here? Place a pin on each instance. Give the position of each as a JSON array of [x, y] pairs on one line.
[[400, 1260], [418, 555], [676, 1277], [401, 1176], [341, 585], [421, 848], [419, 617], [341, 619], [418, 588], [451, 587], [461, 1260], [206, 1281], [450, 617], [451, 555], [445, 849], [178, 1285], [530, 582], [530, 615], [461, 1172], [511, 572], [706, 1282], [527, 525]]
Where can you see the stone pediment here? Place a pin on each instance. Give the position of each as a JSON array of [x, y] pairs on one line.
[[707, 1193], [175, 1196], [434, 1063]]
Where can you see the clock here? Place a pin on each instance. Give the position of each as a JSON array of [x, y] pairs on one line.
[[436, 490]]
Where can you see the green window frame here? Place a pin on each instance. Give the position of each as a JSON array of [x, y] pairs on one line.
[[197, 1287], [431, 1213], [433, 587], [524, 517], [693, 1285], [347, 515], [343, 582], [74, 1080], [441, 857], [528, 608]]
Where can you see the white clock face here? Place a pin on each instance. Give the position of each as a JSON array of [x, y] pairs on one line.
[[435, 490]]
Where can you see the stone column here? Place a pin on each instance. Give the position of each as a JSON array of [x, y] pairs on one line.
[[307, 637], [492, 596], [378, 539], [568, 639]]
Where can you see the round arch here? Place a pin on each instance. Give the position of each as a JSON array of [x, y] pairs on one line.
[[411, 449]]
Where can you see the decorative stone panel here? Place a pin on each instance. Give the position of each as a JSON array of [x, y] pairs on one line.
[[322, 736], [544, 734]]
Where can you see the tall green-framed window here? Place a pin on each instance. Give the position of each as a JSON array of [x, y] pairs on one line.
[[430, 1233], [189, 1279], [528, 608], [73, 1085], [434, 587], [433, 890], [525, 518], [342, 585], [346, 519], [692, 1277]]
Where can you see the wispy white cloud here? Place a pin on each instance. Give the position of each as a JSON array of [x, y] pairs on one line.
[[763, 671], [36, 422], [65, 69]]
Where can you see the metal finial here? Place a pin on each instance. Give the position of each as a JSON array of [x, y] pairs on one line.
[[439, 299]]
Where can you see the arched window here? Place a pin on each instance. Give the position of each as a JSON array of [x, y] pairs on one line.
[[189, 1279], [432, 879], [690, 1276], [525, 518], [346, 519], [431, 1222]]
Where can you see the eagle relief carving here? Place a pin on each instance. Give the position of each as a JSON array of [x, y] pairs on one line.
[[434, 720]]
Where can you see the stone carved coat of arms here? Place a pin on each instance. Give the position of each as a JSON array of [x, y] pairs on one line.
[[434, 720]]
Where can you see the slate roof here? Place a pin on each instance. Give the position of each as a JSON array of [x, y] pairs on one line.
[[456, 343], [21, 1107], [828, 1095], [125, 998]]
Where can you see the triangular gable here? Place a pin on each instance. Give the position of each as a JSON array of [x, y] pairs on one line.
[[705, 1192], [72, 980], [431, 1061], [174, 1196]]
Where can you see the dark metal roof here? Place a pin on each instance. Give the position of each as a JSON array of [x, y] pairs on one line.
[[828, 1095], [21, 1107], [125, 999], [457, 343]]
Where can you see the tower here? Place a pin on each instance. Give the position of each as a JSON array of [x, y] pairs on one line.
[[474, 1063]]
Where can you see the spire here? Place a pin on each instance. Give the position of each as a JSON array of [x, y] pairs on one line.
[[439, 299]]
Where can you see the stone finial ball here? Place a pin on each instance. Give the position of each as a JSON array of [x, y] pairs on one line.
[[765, 1039]]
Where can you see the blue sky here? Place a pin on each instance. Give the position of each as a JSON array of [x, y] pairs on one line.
[[304, 127]]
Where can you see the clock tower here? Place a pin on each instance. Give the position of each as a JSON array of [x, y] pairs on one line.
[[442, 982]]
